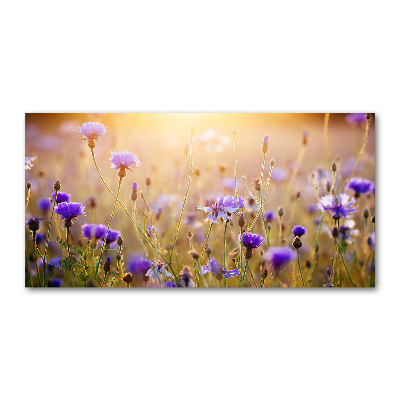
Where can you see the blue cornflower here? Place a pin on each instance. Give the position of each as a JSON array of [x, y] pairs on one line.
[[94, 231], [223, 208], [44, 204], [139, 266], [299, 230], [112, 236], [218, 270], [54, 282], [339, 207], [361, 186], [270, 215], [69, 211], [279, 257], [61, 197], [251, 240]]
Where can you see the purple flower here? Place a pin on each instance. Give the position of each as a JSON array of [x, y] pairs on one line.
[[112, 236], [94, 231], [299, 230], [69, 211], [270, 215], [33, 224], [279, 257], [92, 130], [356, 118], [54, 282], [339, 206], [360, 186], [29, 162], [229, 183], [44, 204], [278, 175], [223, 208], [217, 269], [251, 240], [371, 240], [124, 159], [139, 266], [61, 197]]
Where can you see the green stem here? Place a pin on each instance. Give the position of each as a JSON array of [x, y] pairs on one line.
[[34, 256], [310, 274], [345, 265], [46, 247], [298, 261]]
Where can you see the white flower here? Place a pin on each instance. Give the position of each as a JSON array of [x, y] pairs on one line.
[[29, 162]]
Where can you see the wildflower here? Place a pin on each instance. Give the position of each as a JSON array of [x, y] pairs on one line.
[[134, 192], [61, 197], [264, 147], [124, 160], [356, 118], [29, 162], [279, 175], [69, 211], [112, 236], [371, 240], [346, 231], [252, 240], [339, 206], [223, 208], [269, 215], [33, 224], [299, 230], [217, 270], [279, 257], [107, 265], [128, 278], [139, 266], [186, 277], [158, 272], [44, 204], [361, 186], [94, 232], [92, 131], [57, 185]]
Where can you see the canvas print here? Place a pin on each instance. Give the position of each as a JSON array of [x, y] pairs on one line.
[[200, 200]]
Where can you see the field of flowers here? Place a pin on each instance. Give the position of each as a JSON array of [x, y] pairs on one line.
[[200, 200]]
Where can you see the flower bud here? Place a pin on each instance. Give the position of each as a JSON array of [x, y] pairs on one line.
[[134, 193], [334, 167], [192, 130], [280, 211], [57, 185], [373, 219], [92, 202], [195, 255], [335, 232], [33, 224], [208, 250], [368, 116], [297, 243], [305, 137], [264, 147], [120, 241], [107, 265], [272, 162], [128, 278], [28, 185], [148, 182], [118, 256], [241, 221], [366, 214], [329, 272], [189, 234], [234, 131]]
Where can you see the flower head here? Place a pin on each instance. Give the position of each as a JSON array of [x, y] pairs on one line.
[[339, 206], [371, 240], [112, 236], [44, 204], [29, 162], [360, 186], [223, 208], [270, 215], [61, 197], [252, 240], [279, 257], [356, 118], [299, 230], [124, 160], [217, 269], [94, 231], [92, 130], [158, 272], [33, 224], [139, 266], [69, 211]]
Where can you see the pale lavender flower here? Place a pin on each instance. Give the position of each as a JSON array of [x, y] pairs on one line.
[[29, 162], [217, 269], [223, 208], [92, 130], [279, 175], [124, 160], [356, 118], [339, 207]]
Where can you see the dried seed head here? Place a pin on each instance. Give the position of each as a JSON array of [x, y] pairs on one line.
[[195, 255], [334, 167], [28, 185], [128, 278], [120, 241], [368, 116], [329, 272], [189, 234], [305, 137], [297, 243], [366, 213], [192, 130], [234, 131], [264, 147], [335, 232], [57, 185], [208, 250], [241, 221], [33, 224], [272, 162], [280, 211], [148, 182]]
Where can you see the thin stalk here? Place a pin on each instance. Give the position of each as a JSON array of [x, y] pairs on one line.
[[205, 243], [48, 238], [34, 256], [345, 265], [27, 198], [294, 173], [310, 273], [298, 262], [234, 171]]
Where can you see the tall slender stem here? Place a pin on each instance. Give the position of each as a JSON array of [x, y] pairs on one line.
[[310, 274], [301, 273], [34, 256], [205, 244]]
